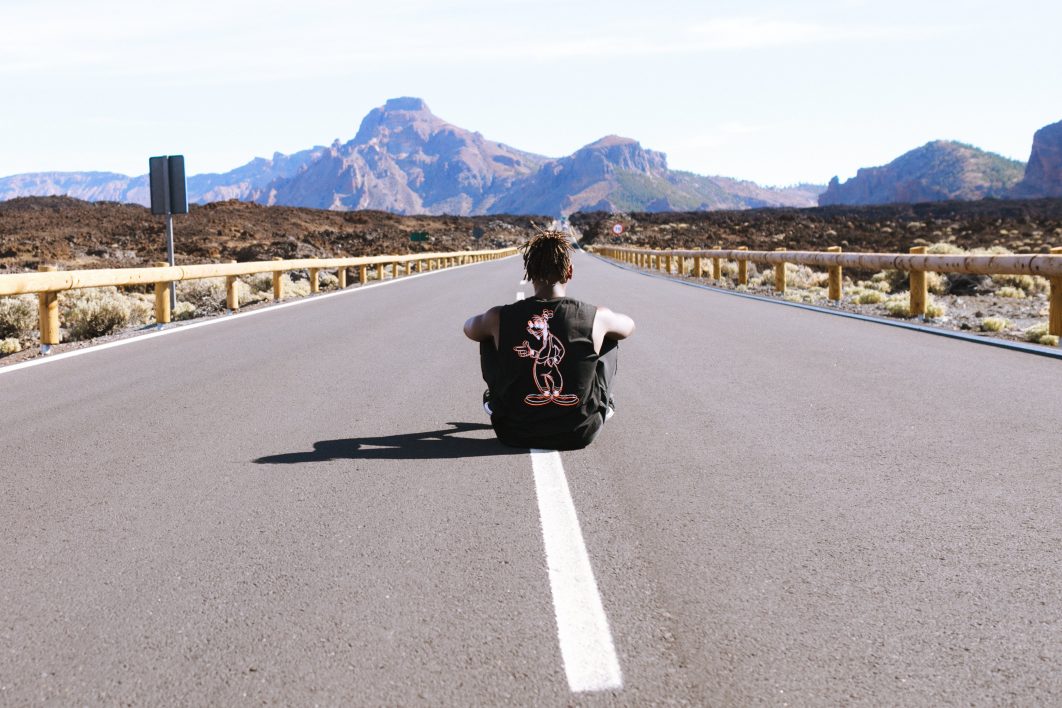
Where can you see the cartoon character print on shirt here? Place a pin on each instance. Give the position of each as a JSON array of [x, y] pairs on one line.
[[547, 355]]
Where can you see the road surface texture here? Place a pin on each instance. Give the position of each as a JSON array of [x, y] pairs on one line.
[[306, 506]]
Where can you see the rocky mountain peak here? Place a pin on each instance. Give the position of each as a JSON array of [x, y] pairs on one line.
[[1043, 174]]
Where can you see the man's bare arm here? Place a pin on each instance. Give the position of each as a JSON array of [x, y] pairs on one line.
[[612, 325], [484, 328]]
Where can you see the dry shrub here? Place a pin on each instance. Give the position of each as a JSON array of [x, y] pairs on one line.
[[18, 316], [183, 311], [327, 281], [1040, 334], [994, 324], [207, 296], [1007, 291], [94, 312], [11, 345], [869, 297], [259, 282], [899, 305], [935, 310], [294, 288], [1028, 284], [943, 248]]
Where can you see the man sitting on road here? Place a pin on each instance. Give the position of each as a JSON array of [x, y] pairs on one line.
[[549, 361]]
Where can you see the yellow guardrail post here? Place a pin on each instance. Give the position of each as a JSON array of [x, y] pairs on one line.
[[48, 315], [363, 273], [698, 272], [779, 274], [315, 281], [278, 284], [743, 268], [163, 315], [394, 269], [681, 265], [232, 293], [919, 287], [1054, 325], [834, 293], [717, 265], [341, 274], [669, 263]]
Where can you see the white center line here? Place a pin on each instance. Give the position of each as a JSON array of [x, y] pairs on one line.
[[582, 628]]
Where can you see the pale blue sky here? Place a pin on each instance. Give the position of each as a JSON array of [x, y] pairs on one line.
[[771, 91]]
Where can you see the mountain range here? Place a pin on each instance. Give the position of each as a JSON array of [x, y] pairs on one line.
[[406, 160], [945, 170]]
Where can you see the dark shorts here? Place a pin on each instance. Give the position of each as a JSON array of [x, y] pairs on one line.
[[580, 435]]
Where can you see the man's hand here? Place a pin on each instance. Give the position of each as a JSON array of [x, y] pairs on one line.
[[524, 350]]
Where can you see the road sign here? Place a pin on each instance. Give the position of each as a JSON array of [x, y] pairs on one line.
[[618, 229], [169, 196], [169, 190], [419, 236]]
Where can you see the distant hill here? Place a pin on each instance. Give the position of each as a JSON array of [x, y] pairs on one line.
[[938, 171], [406, 160]]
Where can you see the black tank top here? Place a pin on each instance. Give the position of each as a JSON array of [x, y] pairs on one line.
[[547, 393]]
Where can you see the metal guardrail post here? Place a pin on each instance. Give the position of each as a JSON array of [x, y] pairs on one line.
[[1054, 325], [919, 288], [163, 313], [835, 278], [743, 268], [278, 283], [315, 281], [232, 293], [48, 315], [779, 274]]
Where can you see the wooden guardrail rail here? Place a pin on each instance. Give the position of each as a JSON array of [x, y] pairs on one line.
[[917, 263], [49, 282]]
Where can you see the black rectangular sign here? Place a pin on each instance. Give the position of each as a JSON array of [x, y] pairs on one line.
[[169, 191]]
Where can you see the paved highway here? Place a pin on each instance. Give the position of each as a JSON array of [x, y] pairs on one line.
[[306, 506]]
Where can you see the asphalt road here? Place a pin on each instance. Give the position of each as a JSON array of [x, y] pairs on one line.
[[306, 506]]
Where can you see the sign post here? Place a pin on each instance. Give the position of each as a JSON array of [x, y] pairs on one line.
[[169, 196]]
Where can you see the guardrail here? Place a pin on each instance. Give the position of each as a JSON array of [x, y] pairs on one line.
[[48, 282], [917, 263]]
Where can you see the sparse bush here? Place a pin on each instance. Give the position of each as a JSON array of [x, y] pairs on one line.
[[943, 248], [869, 297], [994, 324], [294, 288], [1029, 284], [183, 311], [11, 345], [1008, 291], [260, 282], [18, 316], [936, 283], [94, 312], [935, 310], [1039, 334], [207, 296], [899, 305], [327, 281]]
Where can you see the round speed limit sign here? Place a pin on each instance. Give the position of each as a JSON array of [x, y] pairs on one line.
[[618, 229]]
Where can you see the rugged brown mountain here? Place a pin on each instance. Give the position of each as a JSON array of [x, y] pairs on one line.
[[1043, 174], [406, 160], [938, 171]]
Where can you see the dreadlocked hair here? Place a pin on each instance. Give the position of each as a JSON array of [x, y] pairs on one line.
[[547, 257]]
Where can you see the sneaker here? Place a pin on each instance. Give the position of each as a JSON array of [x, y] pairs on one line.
[[610, 409], [486, 402]]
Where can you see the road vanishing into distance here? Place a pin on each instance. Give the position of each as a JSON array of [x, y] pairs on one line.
[[306, 506]]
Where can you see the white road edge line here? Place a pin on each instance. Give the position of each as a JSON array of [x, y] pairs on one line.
[[585, 639], [219, 319]]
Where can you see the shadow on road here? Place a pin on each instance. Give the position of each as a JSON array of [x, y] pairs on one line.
[[430, 445]]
